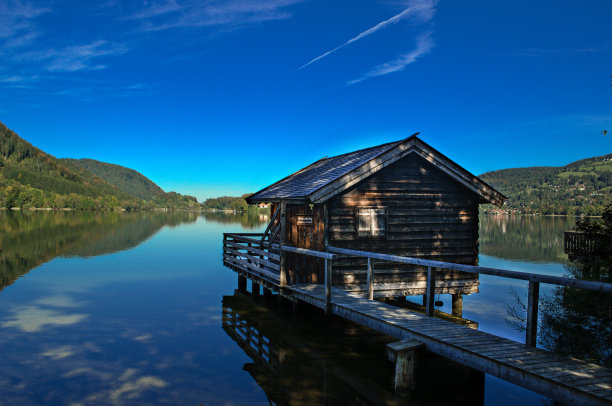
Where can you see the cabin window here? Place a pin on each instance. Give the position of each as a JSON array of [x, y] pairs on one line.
[[371, 222]]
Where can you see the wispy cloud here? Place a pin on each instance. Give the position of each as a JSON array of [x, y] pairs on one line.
[[423, 46], [75, 58], [174, 14], [22, 40], [16, 17], [18, 79], [156, 9], [421, 10], [103, 91]]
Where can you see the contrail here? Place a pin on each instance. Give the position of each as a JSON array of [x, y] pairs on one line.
[[424, 46], [423, 7]]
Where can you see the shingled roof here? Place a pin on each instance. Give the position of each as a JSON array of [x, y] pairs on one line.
[[328, 177]]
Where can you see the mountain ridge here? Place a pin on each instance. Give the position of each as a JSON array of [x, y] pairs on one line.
[[125, 179], [32, 178], [582, 187]]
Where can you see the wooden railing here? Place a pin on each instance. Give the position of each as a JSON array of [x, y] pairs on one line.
[[246, 252], [264, 260], [273, 229], [532, 295], [579, 243]]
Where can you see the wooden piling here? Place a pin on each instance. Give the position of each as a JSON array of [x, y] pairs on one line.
[[403, 353], [255, 289], [431, 289], [457, 305], [242, 283]]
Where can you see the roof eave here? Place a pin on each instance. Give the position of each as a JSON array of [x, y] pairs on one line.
[[410, 145], [294, 200]]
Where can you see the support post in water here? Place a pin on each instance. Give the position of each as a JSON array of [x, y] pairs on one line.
[[431, 289], [267, 293], [403, 353], [457, 304], [533, 297], [254, 288], [370, 278], [242, 283], [328, 284]]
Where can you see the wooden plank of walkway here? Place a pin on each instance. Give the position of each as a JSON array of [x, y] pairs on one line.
[[564, 379]]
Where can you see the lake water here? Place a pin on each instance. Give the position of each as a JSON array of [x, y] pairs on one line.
[[137, 308]]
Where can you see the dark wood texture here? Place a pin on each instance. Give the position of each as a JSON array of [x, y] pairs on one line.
[[429, 215], [304, 268]]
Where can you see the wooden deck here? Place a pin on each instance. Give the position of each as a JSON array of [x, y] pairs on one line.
[[568, 380], [564, 379]]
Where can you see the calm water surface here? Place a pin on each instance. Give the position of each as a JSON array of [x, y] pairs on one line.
[[134, 309]]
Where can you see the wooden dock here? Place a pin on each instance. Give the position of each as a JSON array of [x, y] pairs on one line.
[[570, 380], [567, 380]]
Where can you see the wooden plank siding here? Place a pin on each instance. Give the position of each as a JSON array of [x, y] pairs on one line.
[[304, 268], [429, 215]]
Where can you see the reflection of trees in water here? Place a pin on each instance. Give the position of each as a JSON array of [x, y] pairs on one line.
[[250, 219], [29, 239], [578, 322], [530, 238]]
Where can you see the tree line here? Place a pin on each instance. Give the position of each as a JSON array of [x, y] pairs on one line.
[[581, 188]]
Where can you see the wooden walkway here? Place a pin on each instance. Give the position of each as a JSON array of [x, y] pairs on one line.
[[565, 379]]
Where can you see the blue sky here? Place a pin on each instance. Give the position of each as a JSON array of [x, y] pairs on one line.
[[224, 97]]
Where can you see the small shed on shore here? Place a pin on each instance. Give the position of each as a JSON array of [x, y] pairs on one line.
[[400, 198]]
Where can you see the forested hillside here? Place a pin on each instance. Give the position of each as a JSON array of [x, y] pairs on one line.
[[125, 179], [583, 187], [20, 161], [31, 178], [227, 203]]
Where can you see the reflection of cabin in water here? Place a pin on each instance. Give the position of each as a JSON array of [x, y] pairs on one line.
[[402, 198]]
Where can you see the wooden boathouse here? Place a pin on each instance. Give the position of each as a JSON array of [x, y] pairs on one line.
[[395, 220], [402, 198]]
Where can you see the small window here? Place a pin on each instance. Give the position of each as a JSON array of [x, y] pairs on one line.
[[371, 222]]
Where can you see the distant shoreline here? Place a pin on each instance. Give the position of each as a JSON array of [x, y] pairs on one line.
[[94, 210]]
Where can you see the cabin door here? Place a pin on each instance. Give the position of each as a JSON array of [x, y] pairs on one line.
[[305, 229]]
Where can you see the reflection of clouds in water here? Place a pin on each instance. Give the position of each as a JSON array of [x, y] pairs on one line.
[[486, 309], [134, 389], [137, 335], [33, 319], [80, 371], [59, 301], [126, 387], [210, 317], [60, 352]]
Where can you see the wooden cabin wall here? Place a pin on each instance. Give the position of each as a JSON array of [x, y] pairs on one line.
[[303, 268], [429, 216]]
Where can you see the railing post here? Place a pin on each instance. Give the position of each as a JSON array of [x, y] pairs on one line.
[[328, 284], [431, 289], [282, 278], [370, 279], [533, 297], [248, 254], [224, 246]]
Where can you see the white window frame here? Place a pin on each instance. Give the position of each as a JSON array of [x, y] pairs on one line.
[[373, 215]]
